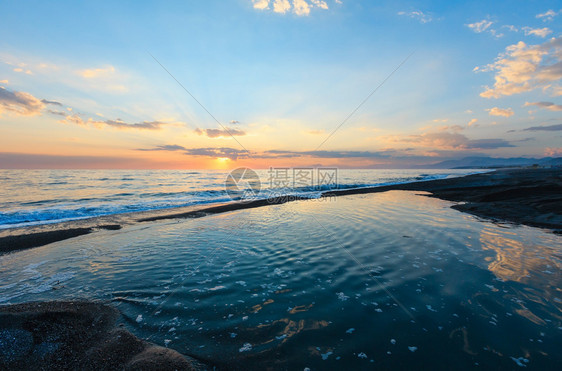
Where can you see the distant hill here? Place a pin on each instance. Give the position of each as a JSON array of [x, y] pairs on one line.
[[491, 162]]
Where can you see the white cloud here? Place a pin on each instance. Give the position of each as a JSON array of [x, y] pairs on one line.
[[281, 6], [104, 78], [481, 26], [298, 7], [261, 4], [507, 112], [301, 7], [546, 105], [548, 15], [540, 32], [419, 15], [484, 26], [320, 4], [97, 72], [511, 28], [523, 68], [22, 70]]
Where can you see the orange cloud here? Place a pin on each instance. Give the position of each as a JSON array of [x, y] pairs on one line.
[[523, 68], [19, 103], [507, 112]]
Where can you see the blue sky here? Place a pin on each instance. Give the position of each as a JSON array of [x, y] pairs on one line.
[[280, 76]]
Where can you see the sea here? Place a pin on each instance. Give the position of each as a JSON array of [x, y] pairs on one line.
[[32, 197], [391, 280]]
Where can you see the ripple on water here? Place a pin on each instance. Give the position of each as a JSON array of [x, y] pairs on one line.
[[414, 280]]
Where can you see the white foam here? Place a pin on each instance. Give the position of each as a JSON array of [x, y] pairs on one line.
[[245, 348]]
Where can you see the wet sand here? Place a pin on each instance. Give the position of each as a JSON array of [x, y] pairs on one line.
[[531, 197], [78, 336]]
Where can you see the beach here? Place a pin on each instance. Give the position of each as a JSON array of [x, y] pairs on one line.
[[435, 274]]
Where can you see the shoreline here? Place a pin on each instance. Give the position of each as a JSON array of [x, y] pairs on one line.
[[531, 197]]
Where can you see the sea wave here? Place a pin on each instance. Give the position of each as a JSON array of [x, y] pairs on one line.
[[58, 204]]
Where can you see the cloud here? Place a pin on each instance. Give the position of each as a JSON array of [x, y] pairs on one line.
[[52, 102], [484, 26], [548, 15], [301, 7], [507, 112], [234, 122], [472, 123], [118, 123], [234, 154], [220, 133], [553, 152], [481, 26], [522, 68], [104, 78], [298, 7], [230, 153], [281, 6], [261, 4], [21, 70], [511, 28], [145, 125], [557, 127], [321, 154], [167, 147], [6, 82], [320, 4], [58, 113], [419, 15], [19, 103], [540, 32], [97, 72], [453, 141], [316, 132], [547, 105]]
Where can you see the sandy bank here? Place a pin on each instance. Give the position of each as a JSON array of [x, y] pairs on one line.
[[77, 336]]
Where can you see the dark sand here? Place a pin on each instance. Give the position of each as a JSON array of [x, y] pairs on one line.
[[78, 336], [531, 197]]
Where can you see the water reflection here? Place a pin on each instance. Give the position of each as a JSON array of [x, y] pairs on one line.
[[269, 288]]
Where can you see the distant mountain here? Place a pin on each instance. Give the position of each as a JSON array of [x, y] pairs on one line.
[[491, 162]]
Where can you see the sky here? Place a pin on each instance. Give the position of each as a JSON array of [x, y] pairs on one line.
[[220, 84]]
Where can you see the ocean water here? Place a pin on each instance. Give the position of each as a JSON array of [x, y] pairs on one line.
[[376, 281], [31, 197]]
